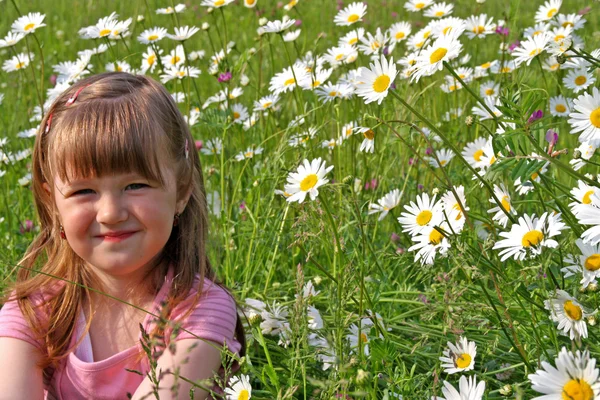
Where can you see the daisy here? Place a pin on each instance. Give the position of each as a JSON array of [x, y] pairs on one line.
[[212, 146], [479, 26], [531, 48], [179, 72], [506, 67], [121, 66], [399, 32], [239, 113], [152, 35], [250, 121], [489, 89], [149, 60], [526, 186], [266, 102], [528, 236], [445, 48], [175, 59], [357, 339], [578, 79], [368, 143], [448, 26], [582, 194], [560, 106], [249, 153], [307, 180], [373, 44], [586, 117], [417, 41], [170, 10], [376, 80], [331, 143], [575, 375], [589, 214], [216, 3], [351, 14], [459, 357], [351, 38], [444, 157], [17, 62], [537, 29], [569, 314], [289, 5], [315, 79], [288, 79], [183, 33], [385, 204], [551, 64], [586, 150], [439, 10], [429, 242], [28, 23], [588, 263], [278, 26], [571, 20], [11, 39], [417, 5], [314, 319], [484, 114], [302, 138], [454, 213], [548, 10], [348, 129], [469, 389], [503, 195], [329, 91], [426, 213], [239, 388]]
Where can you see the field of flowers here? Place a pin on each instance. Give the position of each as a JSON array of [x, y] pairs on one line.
[[404, 194]]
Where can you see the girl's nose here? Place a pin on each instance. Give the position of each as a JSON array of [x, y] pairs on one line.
[[111, 210]]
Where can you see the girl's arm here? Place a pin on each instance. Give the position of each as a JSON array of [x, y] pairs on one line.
[[195, 363], [20, 378]]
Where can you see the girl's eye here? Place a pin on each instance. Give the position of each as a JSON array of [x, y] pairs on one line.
[[138, 184], [85, 191]]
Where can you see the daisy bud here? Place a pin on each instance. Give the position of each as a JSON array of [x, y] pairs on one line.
[[362, 376], [211, 171], [469, 120], [435, 191], [140, 18], [205, 26], [252, 51], [581, 289], [317, 280], [576, 154], [262, 21], [592, 287], [347, 179], [591, 320], [276, 285], [506, 390], [255, 184], [209, 10]]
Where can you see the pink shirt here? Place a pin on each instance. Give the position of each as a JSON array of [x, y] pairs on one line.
[[213, 318]]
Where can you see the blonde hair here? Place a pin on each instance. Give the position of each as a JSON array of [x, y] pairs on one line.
[[119, 123]]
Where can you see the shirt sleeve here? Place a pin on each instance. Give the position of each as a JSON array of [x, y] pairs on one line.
[[13, 324], [213, 318]]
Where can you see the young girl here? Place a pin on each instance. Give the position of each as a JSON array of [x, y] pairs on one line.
[[119, 191]]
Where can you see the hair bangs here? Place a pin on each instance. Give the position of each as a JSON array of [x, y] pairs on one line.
[[107, 138]]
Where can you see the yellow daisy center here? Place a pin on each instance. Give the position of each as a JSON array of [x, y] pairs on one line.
[[424, 217], [595, 117], [289, 82], [419, 45], [535, 52], [587, 197], [566, 24], [572, 310], [536, 33], [20, 65], [375, 45], [175, 60], [29, 27], [446, 30], [551, 12], [267, 104], [485, 65], [381, 84], [419, 6], [435, 237], [443, 162], [477, 155], [479, 29], [333, 93], [248, 154], [104, 32], [244, 395], [463, 360], [554, 67], [309, 182], [400, 35], [236, 115], [580, 80], [489, 91], [577, 389], [532, 238], [169, 10], [181, 74], [364, 338], [426, 34], [219, 2], [339, 57], [492, 160], [592, 263], [505, 69], [353, 18], [437, 55], [505, 203], [152, 37], [316, 83], [439, 13], [151, 59], [353, 40], [560, 108], [369, 134], [559, 38]]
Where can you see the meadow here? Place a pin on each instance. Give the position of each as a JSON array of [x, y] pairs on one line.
[[403, 194]]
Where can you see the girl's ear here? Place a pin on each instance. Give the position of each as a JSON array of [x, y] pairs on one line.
[[46, 187], [181, 204]]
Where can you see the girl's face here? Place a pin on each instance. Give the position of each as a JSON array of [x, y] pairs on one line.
[[93, 209]]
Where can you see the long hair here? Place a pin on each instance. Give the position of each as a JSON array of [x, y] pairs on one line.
[[119, 123]]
